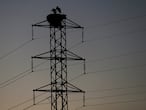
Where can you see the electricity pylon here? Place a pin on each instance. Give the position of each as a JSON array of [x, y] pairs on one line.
[[59, 55]]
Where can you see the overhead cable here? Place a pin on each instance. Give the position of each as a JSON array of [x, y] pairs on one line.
[[18, 76], [14, 50]]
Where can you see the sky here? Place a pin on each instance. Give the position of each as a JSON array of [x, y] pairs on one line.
[[114, 48]]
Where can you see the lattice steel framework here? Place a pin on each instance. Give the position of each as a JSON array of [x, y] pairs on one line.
[[58, 56]]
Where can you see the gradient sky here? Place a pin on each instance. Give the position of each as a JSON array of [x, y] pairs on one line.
[[114, 47]]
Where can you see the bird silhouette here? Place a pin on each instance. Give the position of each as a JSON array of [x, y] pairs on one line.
[[54, 11], [58, 9]]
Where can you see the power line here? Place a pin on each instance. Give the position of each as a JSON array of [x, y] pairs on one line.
[[114, 96], [14, 50], [24, 102], [76, 77], [18, 76], [108, 70], [113, 57], [112, 36], [36, 103], [111, 96], [118, 102], [117, 56], [17, 48], [15, 78], [112, 103], [116, 69], [118, 35], [108, 37], [113, 22], [118, 21], [117, 88]]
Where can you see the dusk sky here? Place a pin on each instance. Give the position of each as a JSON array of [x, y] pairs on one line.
[[114, 48]]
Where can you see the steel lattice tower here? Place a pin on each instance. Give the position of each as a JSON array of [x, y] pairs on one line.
[[58, 55]]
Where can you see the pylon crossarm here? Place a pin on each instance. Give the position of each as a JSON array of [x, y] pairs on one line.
[[73, 56], [42, 87], [72, 27], [67, 26], [45, 26], [40, 22], [43, 90], [41, 54], [74, 87], [69, 85], [59, 90], [49, 58], [58, 58], [70, 56], [70, 23]]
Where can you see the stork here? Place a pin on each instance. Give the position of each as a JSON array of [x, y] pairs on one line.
[[58, 9]]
